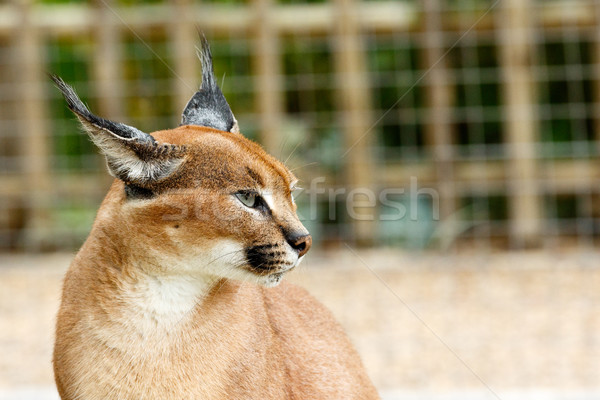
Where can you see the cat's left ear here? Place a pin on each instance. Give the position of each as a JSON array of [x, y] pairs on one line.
[[131, 155], [208, 106]]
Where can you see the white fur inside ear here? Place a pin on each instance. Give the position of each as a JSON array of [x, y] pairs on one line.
[[235, 128], [137, 170], [123, 162]]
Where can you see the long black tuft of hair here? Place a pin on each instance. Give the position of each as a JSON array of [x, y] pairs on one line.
[[85, 115]]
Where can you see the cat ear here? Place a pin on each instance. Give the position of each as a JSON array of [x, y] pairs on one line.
[[131, 155], [208, 106]]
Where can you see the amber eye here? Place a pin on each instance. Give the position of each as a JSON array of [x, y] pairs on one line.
[[249, 199]]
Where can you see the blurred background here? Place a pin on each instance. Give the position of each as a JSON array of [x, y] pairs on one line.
[[449, 153]]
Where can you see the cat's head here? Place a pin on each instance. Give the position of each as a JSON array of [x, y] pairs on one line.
[[200, 198]]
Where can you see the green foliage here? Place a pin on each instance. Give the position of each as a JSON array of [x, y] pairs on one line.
[[564, 207], [62, 1], [69, 58], [232, 65], [398, 79]]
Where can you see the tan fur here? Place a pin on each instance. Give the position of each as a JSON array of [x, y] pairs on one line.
[[158, 303]]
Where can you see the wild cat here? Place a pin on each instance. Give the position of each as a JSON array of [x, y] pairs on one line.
[[177, 292]]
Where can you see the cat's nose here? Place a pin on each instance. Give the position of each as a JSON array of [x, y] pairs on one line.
[[300, 242]]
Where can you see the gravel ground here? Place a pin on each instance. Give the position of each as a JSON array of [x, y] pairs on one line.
[[427, 326]]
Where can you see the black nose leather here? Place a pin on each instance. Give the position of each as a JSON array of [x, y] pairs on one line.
[[300, 242]]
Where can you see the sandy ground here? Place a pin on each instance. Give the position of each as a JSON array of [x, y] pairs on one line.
[[476, 325]]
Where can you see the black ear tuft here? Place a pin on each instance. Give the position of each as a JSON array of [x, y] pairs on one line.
[[208, 106], [87, 118]]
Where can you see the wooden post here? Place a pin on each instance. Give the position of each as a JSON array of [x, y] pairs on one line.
[[521, 130], [268, 76], [596, 75], [438, 128], [184, 38], [106, 69], [106, 61], [33, 129], [353, 95]]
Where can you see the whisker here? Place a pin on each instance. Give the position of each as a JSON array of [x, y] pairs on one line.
[[293, 150], [305, 165], [224, 255], [282, 147]]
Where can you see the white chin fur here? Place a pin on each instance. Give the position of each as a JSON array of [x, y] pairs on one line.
[[272, 280], [226, 259]]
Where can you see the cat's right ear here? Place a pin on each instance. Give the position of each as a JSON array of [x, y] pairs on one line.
[[131, 155], [208, 106]]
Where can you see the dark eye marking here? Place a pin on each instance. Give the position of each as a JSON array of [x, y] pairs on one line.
[[255, 176]]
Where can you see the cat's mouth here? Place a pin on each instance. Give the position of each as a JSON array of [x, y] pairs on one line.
[[269, 259]]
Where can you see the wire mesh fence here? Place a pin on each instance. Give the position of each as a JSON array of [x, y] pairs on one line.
[[418, 124]]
